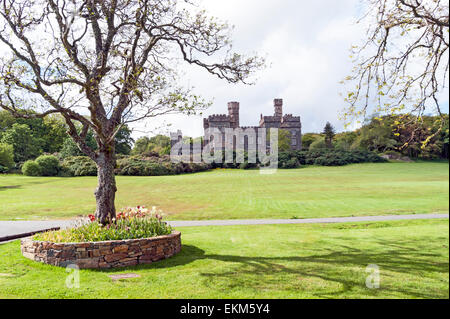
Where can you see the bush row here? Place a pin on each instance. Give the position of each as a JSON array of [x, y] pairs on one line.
[[48, 165], [322, 157], [154, 166], [327, 157]]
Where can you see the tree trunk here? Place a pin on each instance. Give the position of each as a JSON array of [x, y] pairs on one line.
[[105, 193]]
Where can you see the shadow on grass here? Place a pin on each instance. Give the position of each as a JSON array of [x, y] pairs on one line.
[[45, 180], [336, 266], [2, 188]]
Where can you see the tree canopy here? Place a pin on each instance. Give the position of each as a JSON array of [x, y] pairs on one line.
[[101, 64], [403, 66], [159, 144]]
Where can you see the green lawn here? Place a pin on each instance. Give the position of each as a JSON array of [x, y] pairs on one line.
[[284, 261], [362, 189]]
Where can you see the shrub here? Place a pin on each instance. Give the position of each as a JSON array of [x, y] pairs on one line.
[[155, 166], [198, 167], [288, 160], [318, 144], [49, 165], [292, 163], [150, 154], [327, 157], [31, 168], [78, 166], [139, 167], [131, 223], [392, 155], [247, 165], [6, 157], [156, 169], [330, 161]]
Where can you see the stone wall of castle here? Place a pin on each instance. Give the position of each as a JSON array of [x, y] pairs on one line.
[[277, 120]]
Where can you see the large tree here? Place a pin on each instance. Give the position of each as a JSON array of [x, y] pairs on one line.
[[105, 63], [403, 64]]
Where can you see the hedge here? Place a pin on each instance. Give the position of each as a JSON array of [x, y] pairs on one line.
[[327, 157], [155, 166], [158, 166]]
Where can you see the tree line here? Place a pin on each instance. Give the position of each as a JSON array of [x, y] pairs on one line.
[[27, 139], [23, 139], [404, 135]]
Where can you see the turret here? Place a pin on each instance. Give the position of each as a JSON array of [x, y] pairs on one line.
[[175, 137], [278, 106], [233, 112]]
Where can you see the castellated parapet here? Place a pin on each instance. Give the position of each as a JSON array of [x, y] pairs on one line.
[[277, 120]]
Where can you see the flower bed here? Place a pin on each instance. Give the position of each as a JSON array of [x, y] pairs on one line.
[[106, 254], [136, 236]]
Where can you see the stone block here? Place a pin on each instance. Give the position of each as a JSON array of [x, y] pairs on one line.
[[88, 263], [120, 249], [115, 257]]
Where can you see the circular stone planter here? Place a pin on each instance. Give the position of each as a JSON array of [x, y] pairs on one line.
[[105, 254]]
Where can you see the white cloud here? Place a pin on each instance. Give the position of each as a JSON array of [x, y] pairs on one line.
[[306, 44]]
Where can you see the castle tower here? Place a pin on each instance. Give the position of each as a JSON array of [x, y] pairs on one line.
[[278, 106], [233, 112], [176, 137]]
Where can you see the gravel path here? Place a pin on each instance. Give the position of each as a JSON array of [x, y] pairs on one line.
[[9, 228]]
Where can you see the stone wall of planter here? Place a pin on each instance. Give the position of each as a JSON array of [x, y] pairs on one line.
[[103, 255]]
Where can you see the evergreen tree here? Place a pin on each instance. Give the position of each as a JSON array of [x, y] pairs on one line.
[[329, 133]]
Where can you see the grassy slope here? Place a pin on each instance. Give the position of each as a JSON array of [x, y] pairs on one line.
[[285, 261], [363, 189]]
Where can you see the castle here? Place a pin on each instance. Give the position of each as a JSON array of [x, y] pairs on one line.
[[277, 120], [220, 123]]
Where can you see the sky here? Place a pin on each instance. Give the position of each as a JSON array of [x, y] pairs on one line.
[[306, 44], [307, 48]]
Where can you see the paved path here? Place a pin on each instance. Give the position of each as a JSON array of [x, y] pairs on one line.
[[304, 221], [8, 228]]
